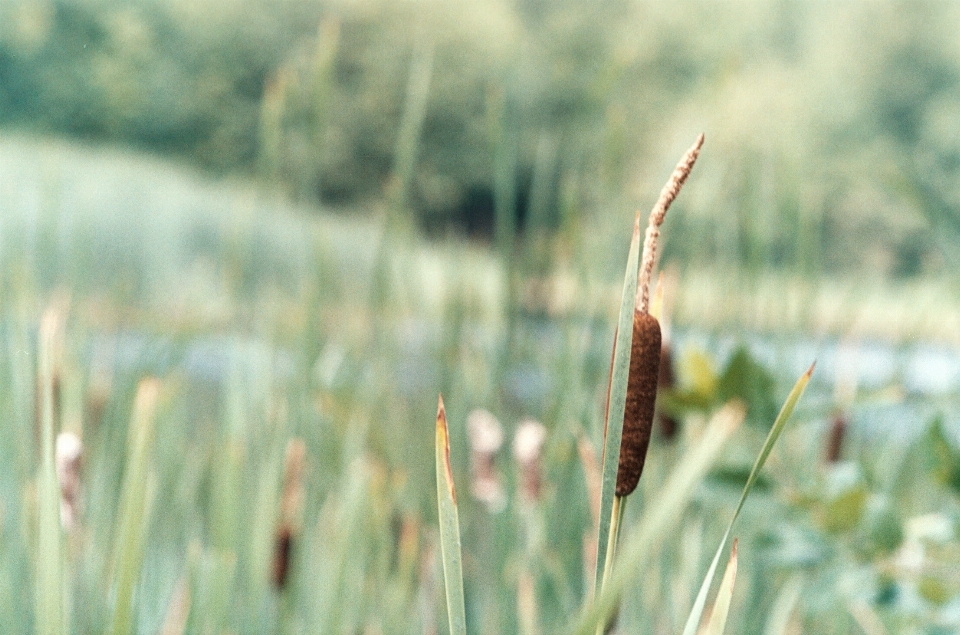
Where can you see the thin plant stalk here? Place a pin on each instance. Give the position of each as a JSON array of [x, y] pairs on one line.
[[50, 584], [135, 507]]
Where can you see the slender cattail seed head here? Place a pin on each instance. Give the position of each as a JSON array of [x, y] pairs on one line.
[[641, 401]]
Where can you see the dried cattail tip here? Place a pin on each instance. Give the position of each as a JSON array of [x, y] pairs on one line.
[[69, 456], [641, 401]]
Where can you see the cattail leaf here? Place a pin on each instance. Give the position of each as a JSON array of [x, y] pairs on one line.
[[659, 522], [449, 528], [718, 617], [617, 401], [778, 425], [139, 485], [50, 602]]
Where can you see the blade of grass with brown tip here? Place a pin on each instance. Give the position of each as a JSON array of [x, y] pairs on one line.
[[778, 425], [657, 524], [617, 402], [449, 528], [718, 617]]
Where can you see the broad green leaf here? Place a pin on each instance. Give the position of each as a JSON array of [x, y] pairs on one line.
[[660, 519], [718, 617], [449, 528], [616, 402], [696, 613]]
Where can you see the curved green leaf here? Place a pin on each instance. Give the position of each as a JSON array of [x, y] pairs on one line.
[[696, 613]]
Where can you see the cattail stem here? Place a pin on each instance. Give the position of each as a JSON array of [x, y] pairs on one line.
[[616, 521]]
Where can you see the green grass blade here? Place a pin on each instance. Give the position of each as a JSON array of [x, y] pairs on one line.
[[134, 510], [696, 613], [50, 605], [718, 617], [640, 545], [616, 403], [449, 528]]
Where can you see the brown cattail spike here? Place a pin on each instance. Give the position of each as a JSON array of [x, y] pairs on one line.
[[838, 431], [641, 401], [291, 511]]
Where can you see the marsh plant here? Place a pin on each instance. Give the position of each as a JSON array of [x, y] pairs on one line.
[[627, 427]]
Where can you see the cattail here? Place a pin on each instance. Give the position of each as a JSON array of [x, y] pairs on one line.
[[291, 509], [646, 348], [68, 457], [838, 431], [641, 401], [845, 393], [486, 438], [527, 449]]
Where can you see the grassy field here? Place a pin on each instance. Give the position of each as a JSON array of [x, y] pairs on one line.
[[245, 376]]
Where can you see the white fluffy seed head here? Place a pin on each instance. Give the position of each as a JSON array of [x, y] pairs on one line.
[[485, 431], [528, 441]]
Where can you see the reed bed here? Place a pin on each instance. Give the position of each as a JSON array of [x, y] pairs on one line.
[[255, 442]]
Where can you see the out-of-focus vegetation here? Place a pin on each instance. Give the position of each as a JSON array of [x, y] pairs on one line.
[[261, 322], [836, 122], [821, 218]]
